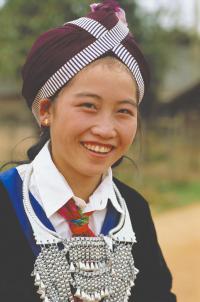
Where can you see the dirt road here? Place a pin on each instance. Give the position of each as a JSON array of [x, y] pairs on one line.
[[179, 236]]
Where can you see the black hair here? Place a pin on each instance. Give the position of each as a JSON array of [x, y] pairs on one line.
[[35, 149]]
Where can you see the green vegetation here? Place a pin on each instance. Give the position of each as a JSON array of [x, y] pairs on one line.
[[22, 21]]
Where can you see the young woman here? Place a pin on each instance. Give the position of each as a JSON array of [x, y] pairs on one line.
[[69, 230]]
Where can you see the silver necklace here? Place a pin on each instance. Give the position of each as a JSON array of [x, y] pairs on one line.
[[91, 268]]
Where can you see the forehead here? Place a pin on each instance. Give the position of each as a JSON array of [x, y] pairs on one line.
[[100, 66], [106, 77], [109, 62]]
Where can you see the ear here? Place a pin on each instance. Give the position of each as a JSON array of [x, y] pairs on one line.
[[45, 112]]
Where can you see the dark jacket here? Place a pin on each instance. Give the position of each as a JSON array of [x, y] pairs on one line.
[[153, 283]]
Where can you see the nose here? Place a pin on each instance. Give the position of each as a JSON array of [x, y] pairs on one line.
[[104, 128]]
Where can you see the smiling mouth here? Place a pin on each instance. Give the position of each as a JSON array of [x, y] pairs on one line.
[[97, 148]]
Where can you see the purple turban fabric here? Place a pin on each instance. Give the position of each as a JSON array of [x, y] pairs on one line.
[[60, 53]]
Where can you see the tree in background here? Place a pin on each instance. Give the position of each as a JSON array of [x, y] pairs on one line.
[[22, 21]]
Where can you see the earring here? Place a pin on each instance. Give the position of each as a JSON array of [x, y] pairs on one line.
[[46, 122]]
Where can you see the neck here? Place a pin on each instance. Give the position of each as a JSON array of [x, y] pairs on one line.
[[82, 186]]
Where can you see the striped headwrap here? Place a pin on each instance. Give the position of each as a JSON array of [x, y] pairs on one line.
[[60, 53]]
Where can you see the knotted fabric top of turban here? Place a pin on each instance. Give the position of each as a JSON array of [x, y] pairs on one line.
[[60, 53]]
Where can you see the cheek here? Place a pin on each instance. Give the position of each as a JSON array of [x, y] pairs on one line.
[[129, 133], [134, 131], [58, 131], [69, 127]]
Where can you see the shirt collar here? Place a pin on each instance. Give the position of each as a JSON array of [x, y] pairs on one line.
[[104, 192], [54, 190]]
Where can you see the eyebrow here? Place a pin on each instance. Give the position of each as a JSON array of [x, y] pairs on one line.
[[96, 96]]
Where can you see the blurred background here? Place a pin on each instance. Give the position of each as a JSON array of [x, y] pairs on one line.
[[166, 153]]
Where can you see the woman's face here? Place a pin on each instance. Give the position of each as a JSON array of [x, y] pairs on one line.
[[93, 121]]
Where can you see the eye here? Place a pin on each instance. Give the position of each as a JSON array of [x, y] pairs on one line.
[[126, 111], [88, 105]]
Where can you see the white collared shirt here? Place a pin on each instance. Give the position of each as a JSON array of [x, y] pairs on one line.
[[52, 191]]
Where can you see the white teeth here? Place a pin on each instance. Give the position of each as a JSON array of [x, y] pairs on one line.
[[99, 149]]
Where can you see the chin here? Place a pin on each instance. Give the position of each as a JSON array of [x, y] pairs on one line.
[[95, 172]]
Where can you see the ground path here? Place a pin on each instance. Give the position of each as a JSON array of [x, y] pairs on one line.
[[179, 236]]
